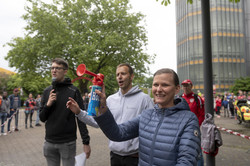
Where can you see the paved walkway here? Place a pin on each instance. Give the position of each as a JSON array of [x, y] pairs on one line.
[[235, 150], [24, 148]]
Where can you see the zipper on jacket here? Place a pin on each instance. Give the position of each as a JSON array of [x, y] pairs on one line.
[[155, 134]]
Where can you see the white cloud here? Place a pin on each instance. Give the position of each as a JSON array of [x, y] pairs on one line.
[[160, 20]]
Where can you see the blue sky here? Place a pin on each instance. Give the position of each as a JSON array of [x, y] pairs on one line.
[[160, 25]]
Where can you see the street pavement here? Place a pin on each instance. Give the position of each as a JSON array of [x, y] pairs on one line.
[[24, 148], [235, 150]]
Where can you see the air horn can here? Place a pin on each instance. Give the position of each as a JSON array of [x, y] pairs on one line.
[[94, 101]]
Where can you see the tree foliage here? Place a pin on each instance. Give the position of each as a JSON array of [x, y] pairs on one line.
[[242, 84], [29, 83], [4, 79], [146, 82], [98, 33], [167, 2]]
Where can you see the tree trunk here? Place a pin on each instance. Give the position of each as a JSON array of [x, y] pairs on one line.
[[83, 85]]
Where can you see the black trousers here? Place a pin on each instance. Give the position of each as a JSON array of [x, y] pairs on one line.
[[232, 111], [26, 118], [117, 160]]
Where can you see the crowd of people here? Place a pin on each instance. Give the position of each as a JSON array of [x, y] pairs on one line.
[[135, 124], [136, 113], [228, 101], [10, 107]]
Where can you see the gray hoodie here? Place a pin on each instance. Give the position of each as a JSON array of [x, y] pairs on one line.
[[5, 107], [125, 107]]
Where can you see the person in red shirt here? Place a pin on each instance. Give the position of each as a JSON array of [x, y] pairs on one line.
[[218, 105], [196, 105], [189, 96], [30, 104], [240, 95]]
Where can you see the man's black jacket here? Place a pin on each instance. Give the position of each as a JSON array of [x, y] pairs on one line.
[[60, 122]]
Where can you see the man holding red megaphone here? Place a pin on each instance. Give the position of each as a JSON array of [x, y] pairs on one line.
[[60, 137]]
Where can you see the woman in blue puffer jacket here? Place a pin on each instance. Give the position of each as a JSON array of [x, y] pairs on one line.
[[168, 135]]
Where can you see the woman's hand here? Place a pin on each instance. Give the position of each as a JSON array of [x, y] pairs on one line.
[[73, 106], [102, 95]]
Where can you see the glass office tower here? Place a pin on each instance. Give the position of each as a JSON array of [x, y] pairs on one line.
[[247, 30], [228, 42]]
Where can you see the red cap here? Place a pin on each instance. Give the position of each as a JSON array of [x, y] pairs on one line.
[[188, 81], [15, 90]]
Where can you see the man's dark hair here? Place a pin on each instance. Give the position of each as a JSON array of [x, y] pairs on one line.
[[170, 71], [61, 61], [130, 70]]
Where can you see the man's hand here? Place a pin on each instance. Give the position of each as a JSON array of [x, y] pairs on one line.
[[73, 106], [87, 150], [102, 95], [52, 98]]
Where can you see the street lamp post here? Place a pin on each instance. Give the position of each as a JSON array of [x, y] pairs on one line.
[[207, 65]]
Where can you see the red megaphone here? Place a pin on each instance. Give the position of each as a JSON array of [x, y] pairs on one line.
[[81, 70]]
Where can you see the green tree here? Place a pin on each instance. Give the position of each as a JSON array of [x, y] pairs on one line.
[[4, 78], [34, 84], [98, 33], [241, 84], [146, 85], [145, 82]]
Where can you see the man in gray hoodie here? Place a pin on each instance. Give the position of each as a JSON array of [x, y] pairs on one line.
[[123, 105], [126, 104]]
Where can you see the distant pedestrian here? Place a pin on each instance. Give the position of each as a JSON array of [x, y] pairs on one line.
[[29, 110], [248, 96], [85, 102], [4, 110], [225, 106], [15, 104], [235, 104], [38, 106], [218, 105], [231, 106], [240, 95]]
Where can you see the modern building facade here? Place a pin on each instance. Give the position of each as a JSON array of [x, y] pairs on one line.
[[230, 54], [247, 30]]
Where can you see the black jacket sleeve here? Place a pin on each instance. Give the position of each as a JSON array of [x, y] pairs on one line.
[[82, 126]]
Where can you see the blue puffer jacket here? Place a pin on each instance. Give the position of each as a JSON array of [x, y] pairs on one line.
[[167, 137]]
